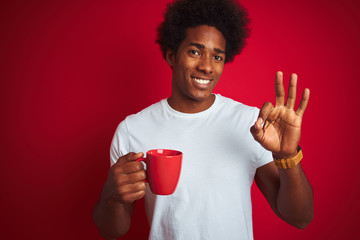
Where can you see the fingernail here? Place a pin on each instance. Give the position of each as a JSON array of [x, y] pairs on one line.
[[256, 125]]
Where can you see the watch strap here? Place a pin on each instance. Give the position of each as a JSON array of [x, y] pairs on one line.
[[286, 163]]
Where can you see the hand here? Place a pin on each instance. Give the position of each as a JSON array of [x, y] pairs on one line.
[[125, 183], [281, 129]]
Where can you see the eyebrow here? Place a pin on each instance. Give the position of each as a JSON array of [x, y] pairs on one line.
[[202, 46]]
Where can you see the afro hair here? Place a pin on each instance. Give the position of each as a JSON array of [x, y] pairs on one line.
[[228, 16]]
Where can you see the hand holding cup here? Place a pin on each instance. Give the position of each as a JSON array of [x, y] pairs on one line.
[[125, 183]]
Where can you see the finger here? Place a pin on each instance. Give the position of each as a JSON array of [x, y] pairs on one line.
[[258, 123], [131, 156], [279, 89], [134, 177], [257, 131], [290, 102], [265, 110], [131, 167], [131, 188], [132, 197], [304, 102]]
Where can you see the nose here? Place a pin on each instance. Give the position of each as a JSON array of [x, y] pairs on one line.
[[206, 65]]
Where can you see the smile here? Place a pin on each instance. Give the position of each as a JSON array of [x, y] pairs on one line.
[[201, 81]]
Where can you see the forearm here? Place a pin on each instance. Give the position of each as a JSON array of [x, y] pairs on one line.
[[112, 218], [295, 197]]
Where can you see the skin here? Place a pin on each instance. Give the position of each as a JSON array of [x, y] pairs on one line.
[[201, 56], [288, 191], [124, 185]]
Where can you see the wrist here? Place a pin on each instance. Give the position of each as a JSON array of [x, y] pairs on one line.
[[289, 162], [279, 155]]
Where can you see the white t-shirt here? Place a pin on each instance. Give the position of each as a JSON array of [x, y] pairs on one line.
[[220, 157]]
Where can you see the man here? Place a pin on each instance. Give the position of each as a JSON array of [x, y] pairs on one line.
[[216, 134]]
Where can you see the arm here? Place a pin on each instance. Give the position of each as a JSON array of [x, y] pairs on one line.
[[278, 130], [124, 185], [288, 192]]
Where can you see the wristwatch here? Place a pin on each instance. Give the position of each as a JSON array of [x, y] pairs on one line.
[[286, 163]]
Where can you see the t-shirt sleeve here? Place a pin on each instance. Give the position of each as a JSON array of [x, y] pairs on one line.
[[264, 157], [120, 143]]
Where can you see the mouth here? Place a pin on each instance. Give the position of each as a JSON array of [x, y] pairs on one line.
[[201, 80]]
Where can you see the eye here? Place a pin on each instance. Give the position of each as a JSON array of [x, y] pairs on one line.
[[218, 58], [194, 52]]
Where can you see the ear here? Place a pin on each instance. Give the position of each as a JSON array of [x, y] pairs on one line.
[[170, 57]]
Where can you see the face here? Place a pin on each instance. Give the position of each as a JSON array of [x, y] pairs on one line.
[[197, 66]]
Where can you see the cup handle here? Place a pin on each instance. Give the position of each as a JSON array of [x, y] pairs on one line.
[[145, 161]]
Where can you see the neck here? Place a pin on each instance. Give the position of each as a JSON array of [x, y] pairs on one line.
[[189, 105]]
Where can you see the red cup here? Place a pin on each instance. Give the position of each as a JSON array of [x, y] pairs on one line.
[[163, 168]]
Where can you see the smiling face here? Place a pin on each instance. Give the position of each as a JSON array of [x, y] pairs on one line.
[[197, 67]]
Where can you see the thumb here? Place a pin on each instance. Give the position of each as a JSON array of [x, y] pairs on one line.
[[256, 130], [131, 156]]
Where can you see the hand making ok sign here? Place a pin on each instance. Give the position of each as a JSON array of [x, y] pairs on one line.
[[278, 128]]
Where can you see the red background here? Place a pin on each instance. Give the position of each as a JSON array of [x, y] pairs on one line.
[[70, 71]]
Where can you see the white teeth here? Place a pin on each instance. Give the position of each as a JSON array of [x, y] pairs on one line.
[[201, 81]]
